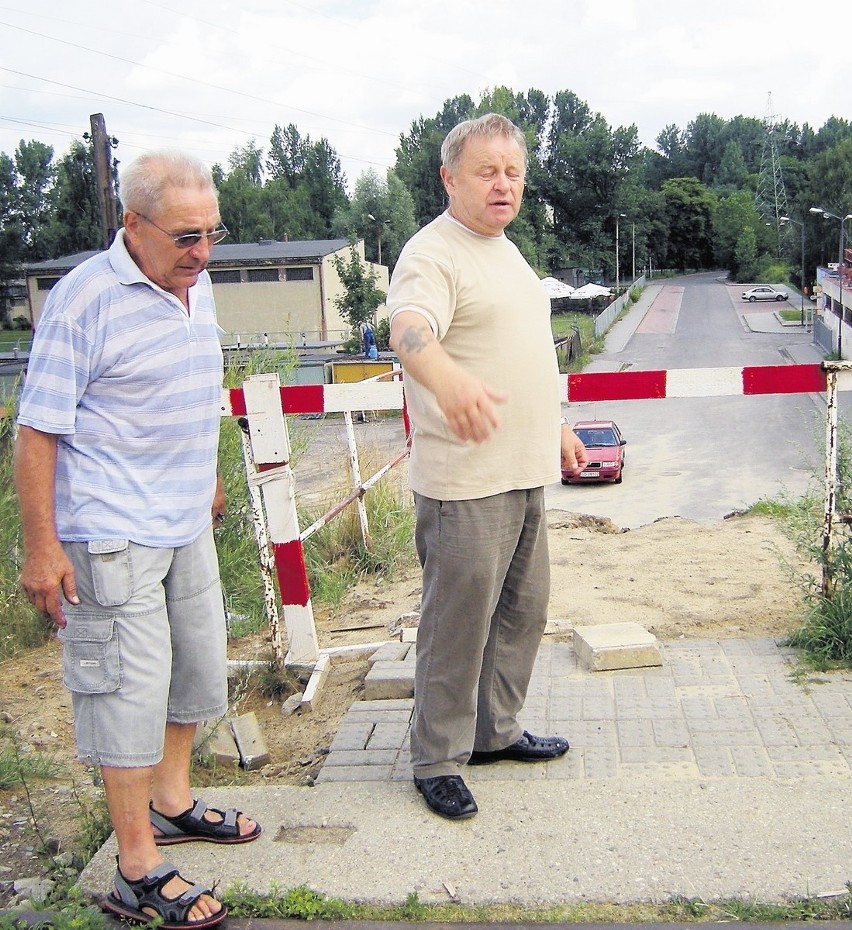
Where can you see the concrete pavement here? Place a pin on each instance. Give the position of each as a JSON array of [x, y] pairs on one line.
[[723, 773]]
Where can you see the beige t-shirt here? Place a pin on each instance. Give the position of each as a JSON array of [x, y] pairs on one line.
[[491, 314]]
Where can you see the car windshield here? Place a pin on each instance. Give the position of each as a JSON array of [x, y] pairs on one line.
[[597, 437]]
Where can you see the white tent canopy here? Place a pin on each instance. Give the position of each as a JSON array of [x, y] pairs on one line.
[[556, 288], [590, 290]]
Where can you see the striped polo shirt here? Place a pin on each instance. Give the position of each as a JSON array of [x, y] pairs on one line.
[[131, 384]]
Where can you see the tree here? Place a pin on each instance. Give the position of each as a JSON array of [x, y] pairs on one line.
[[378, 208], [325, 183], [31, 208], [287, 155], [75, 225], [584, 171], [418, 158], [242, 208], [735, 214], [361, 297], [689, 208], [745, 256]]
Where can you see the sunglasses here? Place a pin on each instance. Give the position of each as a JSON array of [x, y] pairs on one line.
[[188, 240]]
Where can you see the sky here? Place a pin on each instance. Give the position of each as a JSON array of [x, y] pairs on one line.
[[211, 76]]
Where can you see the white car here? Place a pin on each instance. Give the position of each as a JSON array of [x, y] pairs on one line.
[[764, 292]]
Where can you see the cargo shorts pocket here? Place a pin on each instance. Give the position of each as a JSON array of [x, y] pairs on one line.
[[112, 571], [90, 657]]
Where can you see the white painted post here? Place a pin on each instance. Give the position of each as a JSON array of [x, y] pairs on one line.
[[270, 445], [355, 472]]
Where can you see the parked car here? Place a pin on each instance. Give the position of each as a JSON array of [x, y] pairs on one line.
[[764, 292], [605, 446]]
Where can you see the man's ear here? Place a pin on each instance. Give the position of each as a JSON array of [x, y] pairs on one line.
[[131, 221]]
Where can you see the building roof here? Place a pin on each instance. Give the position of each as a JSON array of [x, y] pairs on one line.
[[224, 254]]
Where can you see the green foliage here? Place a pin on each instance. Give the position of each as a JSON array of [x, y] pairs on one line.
[[361, 297], [336, 556], [826, 635], [75, 225], [744, 266], [21, 626], [17, 767], [304, 189], [826, 632], [297, 904], [380, 212], [236, 544], [690, 209]]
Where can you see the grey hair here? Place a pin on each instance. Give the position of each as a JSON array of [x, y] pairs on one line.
[[144, 181], [487, 126]]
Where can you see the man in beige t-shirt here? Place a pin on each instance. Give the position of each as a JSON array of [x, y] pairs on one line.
[[470, 322]]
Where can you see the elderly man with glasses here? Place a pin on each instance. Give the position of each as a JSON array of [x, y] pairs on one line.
[[116, 476]]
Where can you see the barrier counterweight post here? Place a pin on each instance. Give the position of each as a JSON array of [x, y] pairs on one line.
[[267, 562], [355, 473], [270, 445]]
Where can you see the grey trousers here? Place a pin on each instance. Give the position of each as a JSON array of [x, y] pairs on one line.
[[486, 587]]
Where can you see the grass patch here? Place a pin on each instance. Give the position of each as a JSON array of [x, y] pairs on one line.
[[304, 904], [336, 556], [21, 626], [17, 767], [825, 634], [11, 339]]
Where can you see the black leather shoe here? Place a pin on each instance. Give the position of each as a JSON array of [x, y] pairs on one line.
[[447, 795], [528, 748]]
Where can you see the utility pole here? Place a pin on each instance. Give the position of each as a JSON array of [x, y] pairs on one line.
[[102, 152]]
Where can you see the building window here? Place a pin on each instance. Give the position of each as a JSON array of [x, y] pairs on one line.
[[45, 284], [299, 274], [262, 274], [225, 277]]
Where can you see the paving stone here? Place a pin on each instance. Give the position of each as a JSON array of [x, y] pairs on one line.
[[607, 646], [390, 652], [387, 680]]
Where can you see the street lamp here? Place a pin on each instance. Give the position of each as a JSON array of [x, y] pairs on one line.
[[617, 275], [633, 245], [380, 223], [826, 214], [789, 219]]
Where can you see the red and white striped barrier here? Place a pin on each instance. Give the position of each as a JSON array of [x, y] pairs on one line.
[[697, 382], [263, 401]]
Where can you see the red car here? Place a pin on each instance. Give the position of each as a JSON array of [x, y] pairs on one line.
[[605, 447]]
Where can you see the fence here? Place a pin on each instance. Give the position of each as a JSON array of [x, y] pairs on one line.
[[263, 403], [604, 320]]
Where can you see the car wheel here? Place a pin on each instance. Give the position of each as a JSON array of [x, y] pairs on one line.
[[752, 299], [780, 297], [565, 481], [620, 477]]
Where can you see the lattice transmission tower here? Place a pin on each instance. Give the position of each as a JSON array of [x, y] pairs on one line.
[[771, 197]]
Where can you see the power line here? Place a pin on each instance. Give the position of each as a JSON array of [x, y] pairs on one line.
[[144, 106], [194, 80]]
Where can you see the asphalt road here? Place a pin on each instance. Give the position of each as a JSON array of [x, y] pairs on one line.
[[701, 458]]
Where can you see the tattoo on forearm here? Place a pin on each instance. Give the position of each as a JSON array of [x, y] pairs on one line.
[[415, 339]]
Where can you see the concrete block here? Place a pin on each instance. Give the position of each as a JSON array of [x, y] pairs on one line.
[[408, 634], [315, 682], [214, 740], [390, 652], [249, 740], [389, 681], [609, 646]]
